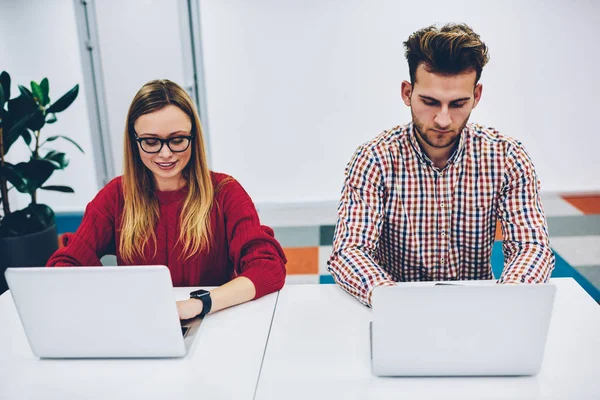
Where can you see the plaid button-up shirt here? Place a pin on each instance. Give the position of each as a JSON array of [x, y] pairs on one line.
[[402, 219]]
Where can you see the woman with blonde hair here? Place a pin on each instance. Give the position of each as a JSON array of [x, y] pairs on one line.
[[169, 209]]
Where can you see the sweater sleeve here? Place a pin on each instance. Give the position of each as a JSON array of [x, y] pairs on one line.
[[95, 236], [252, 247]]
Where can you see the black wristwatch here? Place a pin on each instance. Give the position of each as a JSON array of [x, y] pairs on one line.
[[204, 297]]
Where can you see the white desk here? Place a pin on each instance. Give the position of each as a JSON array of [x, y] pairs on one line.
[[319, 349], [223, 363]]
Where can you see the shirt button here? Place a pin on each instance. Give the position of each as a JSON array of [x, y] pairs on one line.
[[442, 205], [443, 233], [442, 261]]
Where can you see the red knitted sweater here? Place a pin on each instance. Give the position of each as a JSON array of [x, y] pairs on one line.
[[241, 245]]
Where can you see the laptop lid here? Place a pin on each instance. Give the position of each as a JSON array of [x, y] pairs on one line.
[[104, 312], [475, 329]]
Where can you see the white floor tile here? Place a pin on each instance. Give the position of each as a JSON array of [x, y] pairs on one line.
[[578, 250]]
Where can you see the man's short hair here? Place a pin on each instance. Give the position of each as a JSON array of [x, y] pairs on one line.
[[450, 50]]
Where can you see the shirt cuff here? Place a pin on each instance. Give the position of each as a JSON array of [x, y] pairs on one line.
[[370, 292]]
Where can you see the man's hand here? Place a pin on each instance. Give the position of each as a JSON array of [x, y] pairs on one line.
[[189, 308]]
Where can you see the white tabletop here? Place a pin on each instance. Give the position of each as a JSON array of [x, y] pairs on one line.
[[223, 363], [319, 349]]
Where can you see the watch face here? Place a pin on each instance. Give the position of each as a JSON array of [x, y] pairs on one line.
[[199, 293]]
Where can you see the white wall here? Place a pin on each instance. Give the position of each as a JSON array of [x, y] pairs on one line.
[[295, 86], [39, 39], [140, 40]]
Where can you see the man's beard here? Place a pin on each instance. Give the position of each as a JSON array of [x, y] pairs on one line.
[[419, 128]]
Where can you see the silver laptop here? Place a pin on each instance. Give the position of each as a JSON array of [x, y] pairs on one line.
[[100, 312], [460, 328]]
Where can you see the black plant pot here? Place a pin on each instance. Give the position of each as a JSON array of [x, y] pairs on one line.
[[32, 250]]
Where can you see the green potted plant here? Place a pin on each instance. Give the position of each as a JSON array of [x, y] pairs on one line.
[[28, 236]]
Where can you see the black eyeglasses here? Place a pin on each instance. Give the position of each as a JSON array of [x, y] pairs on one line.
[[176, 144]]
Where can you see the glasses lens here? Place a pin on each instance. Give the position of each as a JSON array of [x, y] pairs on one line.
[[150, 145], [179, 143]]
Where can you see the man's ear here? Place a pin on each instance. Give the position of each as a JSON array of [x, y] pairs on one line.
[[406, 92], [477, 94]]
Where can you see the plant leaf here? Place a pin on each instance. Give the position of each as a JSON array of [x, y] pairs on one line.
[[5, 82], [14, 176], [20, 111], [26, 136], [50, 118], [45, 86], [52, 138], [65, 101], [31, 219], [60, 159], [10, 137], [35, 172], [37, 121], [22, 105], [25, 92], [38, 95], [1, 97], [64, 189]]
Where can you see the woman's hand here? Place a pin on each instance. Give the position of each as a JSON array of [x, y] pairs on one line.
[[189, 308]]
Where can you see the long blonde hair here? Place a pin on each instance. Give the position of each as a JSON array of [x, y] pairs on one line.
[[141, 209]]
